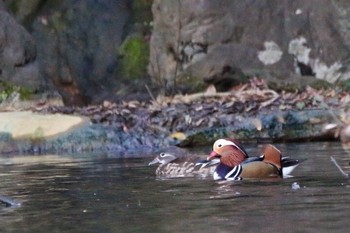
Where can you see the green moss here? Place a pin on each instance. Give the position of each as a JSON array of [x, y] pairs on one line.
[[134, 57], [57, 21], [345, 85], [188, 83], [25, 93], [7, 89], [38, 134], [320, 84]]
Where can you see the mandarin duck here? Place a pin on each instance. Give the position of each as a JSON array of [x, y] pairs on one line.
[[235, 164], [172, 165]]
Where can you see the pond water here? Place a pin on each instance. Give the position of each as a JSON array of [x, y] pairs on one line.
[[101, 193]]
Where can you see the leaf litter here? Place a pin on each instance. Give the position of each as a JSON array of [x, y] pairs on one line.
[[167, 115]]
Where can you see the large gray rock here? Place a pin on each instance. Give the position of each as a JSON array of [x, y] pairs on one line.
[[18, 63], [39, 126], [220, 41], [78, 46], [86, 49]]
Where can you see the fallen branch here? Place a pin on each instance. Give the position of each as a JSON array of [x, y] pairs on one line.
[[8, 202], [346, 175], [270, 101]]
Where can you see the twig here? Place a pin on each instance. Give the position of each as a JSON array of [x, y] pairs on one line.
[[150, 93], [339, 168], [270, 101], [195, 96]]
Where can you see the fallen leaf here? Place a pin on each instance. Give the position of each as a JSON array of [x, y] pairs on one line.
[[210, 90], [188, 119], [281, 119], [199, 108], [258, 124], [133, 104], [300, 105], [199, 122], [178, 136], [314, 120]]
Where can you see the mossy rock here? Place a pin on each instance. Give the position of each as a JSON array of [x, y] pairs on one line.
[[320, 84], [189, 84], [134, 57]]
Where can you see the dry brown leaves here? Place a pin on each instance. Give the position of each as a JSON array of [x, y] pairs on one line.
[[208, 109]]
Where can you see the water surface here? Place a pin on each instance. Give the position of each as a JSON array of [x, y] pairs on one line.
[[101, 193]]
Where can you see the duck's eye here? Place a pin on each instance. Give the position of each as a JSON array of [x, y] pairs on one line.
[[162, 154], [220, 145]]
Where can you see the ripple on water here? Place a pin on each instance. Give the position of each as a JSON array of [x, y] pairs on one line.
[[94, 193]]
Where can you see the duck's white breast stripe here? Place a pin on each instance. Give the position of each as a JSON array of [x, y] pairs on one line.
[[234, 173]]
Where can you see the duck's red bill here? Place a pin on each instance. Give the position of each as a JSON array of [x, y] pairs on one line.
[[213, 155]]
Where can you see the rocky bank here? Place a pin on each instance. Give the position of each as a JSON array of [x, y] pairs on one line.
[[250, 113]]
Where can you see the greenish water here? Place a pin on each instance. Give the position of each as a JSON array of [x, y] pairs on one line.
[[99, 193]]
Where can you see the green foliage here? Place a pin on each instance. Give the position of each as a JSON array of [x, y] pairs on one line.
[[134, 52], [345, 85], [13, 5], [320, 84], [7, 89]]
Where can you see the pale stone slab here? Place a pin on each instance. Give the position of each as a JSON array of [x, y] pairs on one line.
[[38, 126]]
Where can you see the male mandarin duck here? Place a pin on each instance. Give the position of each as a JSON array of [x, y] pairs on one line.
[[172, 165], [235, 164]]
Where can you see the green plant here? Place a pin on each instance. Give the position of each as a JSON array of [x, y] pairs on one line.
[[134, 52], [7, 89]]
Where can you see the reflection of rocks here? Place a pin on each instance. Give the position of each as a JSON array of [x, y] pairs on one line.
[[344, 135]]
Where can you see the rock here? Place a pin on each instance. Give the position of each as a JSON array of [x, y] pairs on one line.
[[24, 10], [253, 113], [28, 132], [9, 202], [18, 54], [295, 186], [281, 126], [37, 126], [283, 40], [78, 49]]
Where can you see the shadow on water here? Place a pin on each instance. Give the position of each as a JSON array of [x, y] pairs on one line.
[[103, 194]]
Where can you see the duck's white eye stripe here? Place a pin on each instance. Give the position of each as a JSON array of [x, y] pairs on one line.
[[223, 142]]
